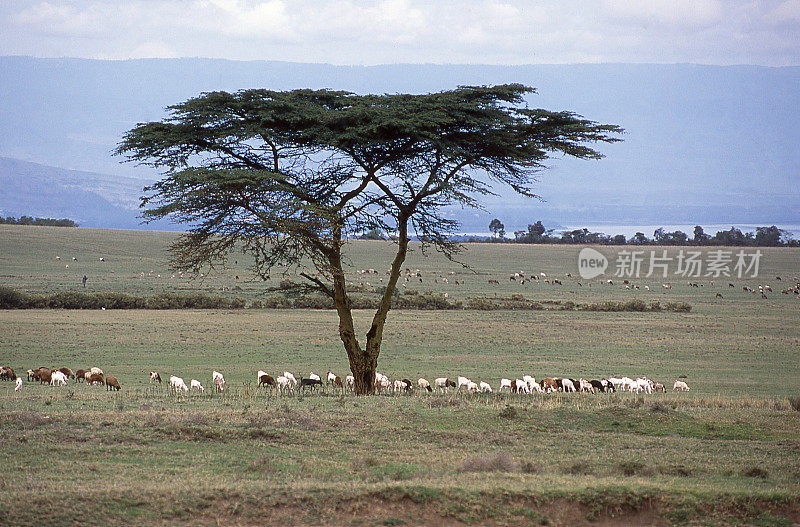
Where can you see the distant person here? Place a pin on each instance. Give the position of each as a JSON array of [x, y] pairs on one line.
[[84, 280]]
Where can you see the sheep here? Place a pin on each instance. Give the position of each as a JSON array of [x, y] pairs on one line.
[[43, 375], [407, 387], [532, 384], [586, 386], [485, 387], [462, 381], [58, 379], [598, 385], [66, 371], [424, 385], [112, 383], [177, 384], [194, 383], [309, 383], [643, 384], [398, 386], [95, 378], [350, 381], [80, 375], [314, 376], [7, 373], [31, 373], [521, 386], [284, 384], [18, 384], [291, 378], [87, 375], [155, 377], [566, 385], [96, 370], [505, 383], [265, 379], [218, 380], [658, 387], [440, 383], [549, 385], [680, 385], [472, 387]]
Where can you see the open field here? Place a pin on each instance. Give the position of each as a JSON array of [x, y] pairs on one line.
[[726, 452]]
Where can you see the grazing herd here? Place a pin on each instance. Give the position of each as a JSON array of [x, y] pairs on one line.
[[61, 377], [287, 383]]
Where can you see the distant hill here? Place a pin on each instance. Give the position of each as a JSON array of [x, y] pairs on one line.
[[705, 144], [90, 199]]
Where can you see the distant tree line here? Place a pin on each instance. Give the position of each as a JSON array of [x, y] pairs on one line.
[[47, 222], [537, 233]]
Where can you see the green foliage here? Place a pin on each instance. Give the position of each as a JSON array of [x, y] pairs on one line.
[[39, 222]]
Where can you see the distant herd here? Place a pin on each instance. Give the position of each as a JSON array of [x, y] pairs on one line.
[[288, 383]]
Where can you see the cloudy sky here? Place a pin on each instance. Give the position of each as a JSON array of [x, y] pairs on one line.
[[764, 32]]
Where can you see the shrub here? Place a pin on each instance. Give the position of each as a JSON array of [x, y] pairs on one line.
[[13, 299], [678, 307], [795, 403], [500, 462]]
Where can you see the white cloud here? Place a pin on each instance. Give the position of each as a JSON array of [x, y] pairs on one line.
[[390, 31]]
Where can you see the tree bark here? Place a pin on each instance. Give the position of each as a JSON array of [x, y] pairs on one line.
[[364, 362]]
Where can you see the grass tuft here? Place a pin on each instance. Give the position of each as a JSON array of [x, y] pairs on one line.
[[499, 462]]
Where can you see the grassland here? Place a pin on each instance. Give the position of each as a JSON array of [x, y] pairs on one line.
[[726, 452]]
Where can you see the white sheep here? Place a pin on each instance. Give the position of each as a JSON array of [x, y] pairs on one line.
[[194, 383], [218, 380], [424, 385], [521, 386], [177, 384], [284, 384], [504, 383], [680, 385], [58, 379]]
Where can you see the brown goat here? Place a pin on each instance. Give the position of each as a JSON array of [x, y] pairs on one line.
[[96, 378], [80, 375], [67, 372], [43, 375], [549, 385], [7, 373], [112, 383]]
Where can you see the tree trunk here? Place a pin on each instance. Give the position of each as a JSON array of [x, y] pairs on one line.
[[364, 362]]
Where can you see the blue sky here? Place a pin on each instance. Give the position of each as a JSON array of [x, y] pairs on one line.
[[723, 32]]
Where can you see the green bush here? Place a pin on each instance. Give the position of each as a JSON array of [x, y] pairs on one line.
[[13, 299]]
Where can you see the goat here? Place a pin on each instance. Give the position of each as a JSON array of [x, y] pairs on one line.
[[80, 375], [309, 383], [95, 378], [112, 383], [680, 385], [424, 385], [505, 383], [218, 380], [18, 384], [177, 384], [58, 378], [485, 387], [155, 377], [194, 383]]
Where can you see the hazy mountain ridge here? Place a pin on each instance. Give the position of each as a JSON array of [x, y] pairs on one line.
[[90, 199], [702, 143]]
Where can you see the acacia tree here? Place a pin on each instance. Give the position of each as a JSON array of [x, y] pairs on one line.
[[288, 176]]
